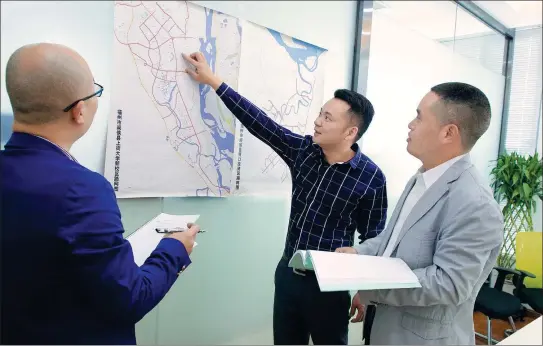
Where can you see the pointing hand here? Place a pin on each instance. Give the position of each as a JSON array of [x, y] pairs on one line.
[[200, 71]]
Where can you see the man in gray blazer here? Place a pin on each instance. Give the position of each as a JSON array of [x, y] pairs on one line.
[[447, 227]]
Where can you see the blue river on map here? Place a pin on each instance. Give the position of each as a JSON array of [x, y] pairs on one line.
[[224, 140], [300, 55]]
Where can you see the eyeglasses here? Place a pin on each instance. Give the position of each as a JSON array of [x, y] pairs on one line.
[[97, 93]]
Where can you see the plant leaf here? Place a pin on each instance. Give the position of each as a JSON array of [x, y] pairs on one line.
[[527, 190]]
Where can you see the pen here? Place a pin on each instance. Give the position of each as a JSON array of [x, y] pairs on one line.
[[174, 230]]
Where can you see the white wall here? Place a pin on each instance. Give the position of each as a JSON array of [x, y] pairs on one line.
[[403, 66], [85, 26]]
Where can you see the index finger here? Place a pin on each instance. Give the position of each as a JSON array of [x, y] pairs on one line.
[[190, 59], [198, 56]]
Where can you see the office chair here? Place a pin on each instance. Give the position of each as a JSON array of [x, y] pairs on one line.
[[496, 304], [530, 296]]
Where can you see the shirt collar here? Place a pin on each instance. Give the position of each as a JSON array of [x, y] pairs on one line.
[[354, 161], [65, 152], [432, 175]]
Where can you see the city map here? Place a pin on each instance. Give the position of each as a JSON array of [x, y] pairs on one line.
[[170, 136]]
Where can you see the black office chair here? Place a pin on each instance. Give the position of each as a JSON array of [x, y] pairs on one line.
[[530, 296], [496, 304]]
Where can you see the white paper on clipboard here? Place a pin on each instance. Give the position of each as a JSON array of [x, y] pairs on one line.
[[145, 240]]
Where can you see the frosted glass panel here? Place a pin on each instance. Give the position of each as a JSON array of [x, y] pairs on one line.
[[404, 65], [227, 293]]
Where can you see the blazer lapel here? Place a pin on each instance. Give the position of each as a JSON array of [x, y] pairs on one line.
[[395, 214], [433, 195], [424, 204]]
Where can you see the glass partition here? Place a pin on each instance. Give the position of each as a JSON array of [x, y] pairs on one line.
[[407, 57]]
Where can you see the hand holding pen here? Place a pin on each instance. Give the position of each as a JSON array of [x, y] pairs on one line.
[[174, 230], [186, 237]]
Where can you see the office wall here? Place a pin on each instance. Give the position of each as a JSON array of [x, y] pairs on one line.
[[403, 66], [226, 296], [86, 26]]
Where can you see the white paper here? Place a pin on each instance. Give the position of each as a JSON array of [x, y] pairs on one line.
[[145, 240], [340, 271]]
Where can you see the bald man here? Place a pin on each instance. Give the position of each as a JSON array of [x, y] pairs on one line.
[[68, 275]]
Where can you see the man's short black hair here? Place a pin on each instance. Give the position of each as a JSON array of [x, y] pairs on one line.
[[467, 107], [361, 109]]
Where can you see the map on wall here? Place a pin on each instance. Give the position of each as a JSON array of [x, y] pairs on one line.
[[284, 77], [170, 136]]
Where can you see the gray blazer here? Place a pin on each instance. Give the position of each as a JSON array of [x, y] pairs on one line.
[[451, 241]]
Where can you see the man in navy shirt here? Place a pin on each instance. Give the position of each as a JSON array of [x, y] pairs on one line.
[[336, 190], [68, 275]]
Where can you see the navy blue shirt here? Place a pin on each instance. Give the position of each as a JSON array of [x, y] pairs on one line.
[[329, 202]]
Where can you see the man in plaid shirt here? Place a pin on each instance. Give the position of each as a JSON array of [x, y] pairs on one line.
[[337, 190]]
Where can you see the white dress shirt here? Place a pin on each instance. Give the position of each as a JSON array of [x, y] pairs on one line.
[[424, 180]]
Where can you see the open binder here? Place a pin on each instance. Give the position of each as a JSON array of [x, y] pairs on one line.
[[349, 272]]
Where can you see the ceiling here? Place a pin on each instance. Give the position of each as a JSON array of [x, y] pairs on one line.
[[514, 14], [445, 19]]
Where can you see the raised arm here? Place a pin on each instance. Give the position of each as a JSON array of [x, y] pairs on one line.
[[283, 141], [104, 261]]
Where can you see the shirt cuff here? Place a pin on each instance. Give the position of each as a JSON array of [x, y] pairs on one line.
[[176, 249], [222, 89]]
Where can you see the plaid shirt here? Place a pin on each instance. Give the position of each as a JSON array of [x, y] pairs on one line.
[[329, 202]]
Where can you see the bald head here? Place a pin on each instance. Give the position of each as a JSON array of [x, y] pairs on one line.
[[42, 79]]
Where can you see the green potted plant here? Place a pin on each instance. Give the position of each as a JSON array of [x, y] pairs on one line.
[[516, 180]]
